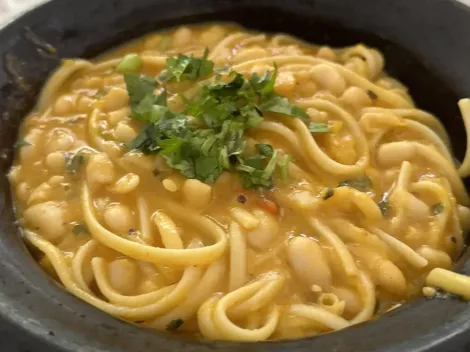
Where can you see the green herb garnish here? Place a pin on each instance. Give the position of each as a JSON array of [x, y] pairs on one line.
[[318, 127], [174, 324], [222, 111], [384, 205], [21, 143], [437, 208], [184, 67], [79, 228], [130, 63], [362, 184], [73, 162], [265, 149]]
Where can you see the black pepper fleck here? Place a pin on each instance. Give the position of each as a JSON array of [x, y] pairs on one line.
[[232, 159], [453, 239], [241, 198], [51, 333]]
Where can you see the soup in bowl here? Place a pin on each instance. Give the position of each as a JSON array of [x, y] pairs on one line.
[[233, 185]]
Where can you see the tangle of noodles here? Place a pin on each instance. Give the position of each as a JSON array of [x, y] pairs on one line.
[[364, 213]]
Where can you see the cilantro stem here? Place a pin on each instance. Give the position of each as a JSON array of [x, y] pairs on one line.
[[268, 171], [130, 63]]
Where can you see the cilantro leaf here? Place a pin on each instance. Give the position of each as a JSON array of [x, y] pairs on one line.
[[79, 228], [21, 143], [184, 67], [318, 127], [138, 87], [384, 205], [362, 184], [281, 105], [74, 162], [207, 168], [437, 208], [174, 324], [264, 85], [265, 149]]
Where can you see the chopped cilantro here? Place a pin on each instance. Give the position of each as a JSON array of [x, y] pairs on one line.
[[362, 184], [21, 143], [138, 87], [184, 67], [79, 228], [73, 162], [318, 127], [437, 208], [222, 111], [265, 149], [384, 205], [281, 105], [130, 63], [174, 324]]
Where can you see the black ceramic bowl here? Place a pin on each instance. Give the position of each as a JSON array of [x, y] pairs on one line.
[[425, 45]]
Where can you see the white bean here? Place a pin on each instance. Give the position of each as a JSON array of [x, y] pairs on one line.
[[436, 258], [196, 194], [309, 262], [47, 219], [326, 53], [65, 104], [100, 169], [285, 83], [118, 218], [245, 218], [181, 37], [55, 162], [353, 302], [389, 277], [23, 191], [329, 78], [126, 184], [123, 275], [59, 140], [114, 117], [115, 99], [124, 133], [212, 36], [263, 235], [40, 194], [356, 97]]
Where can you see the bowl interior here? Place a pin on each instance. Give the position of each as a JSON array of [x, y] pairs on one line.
[[48, 318]]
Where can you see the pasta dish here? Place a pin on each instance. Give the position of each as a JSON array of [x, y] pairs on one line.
[[232, 185]]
